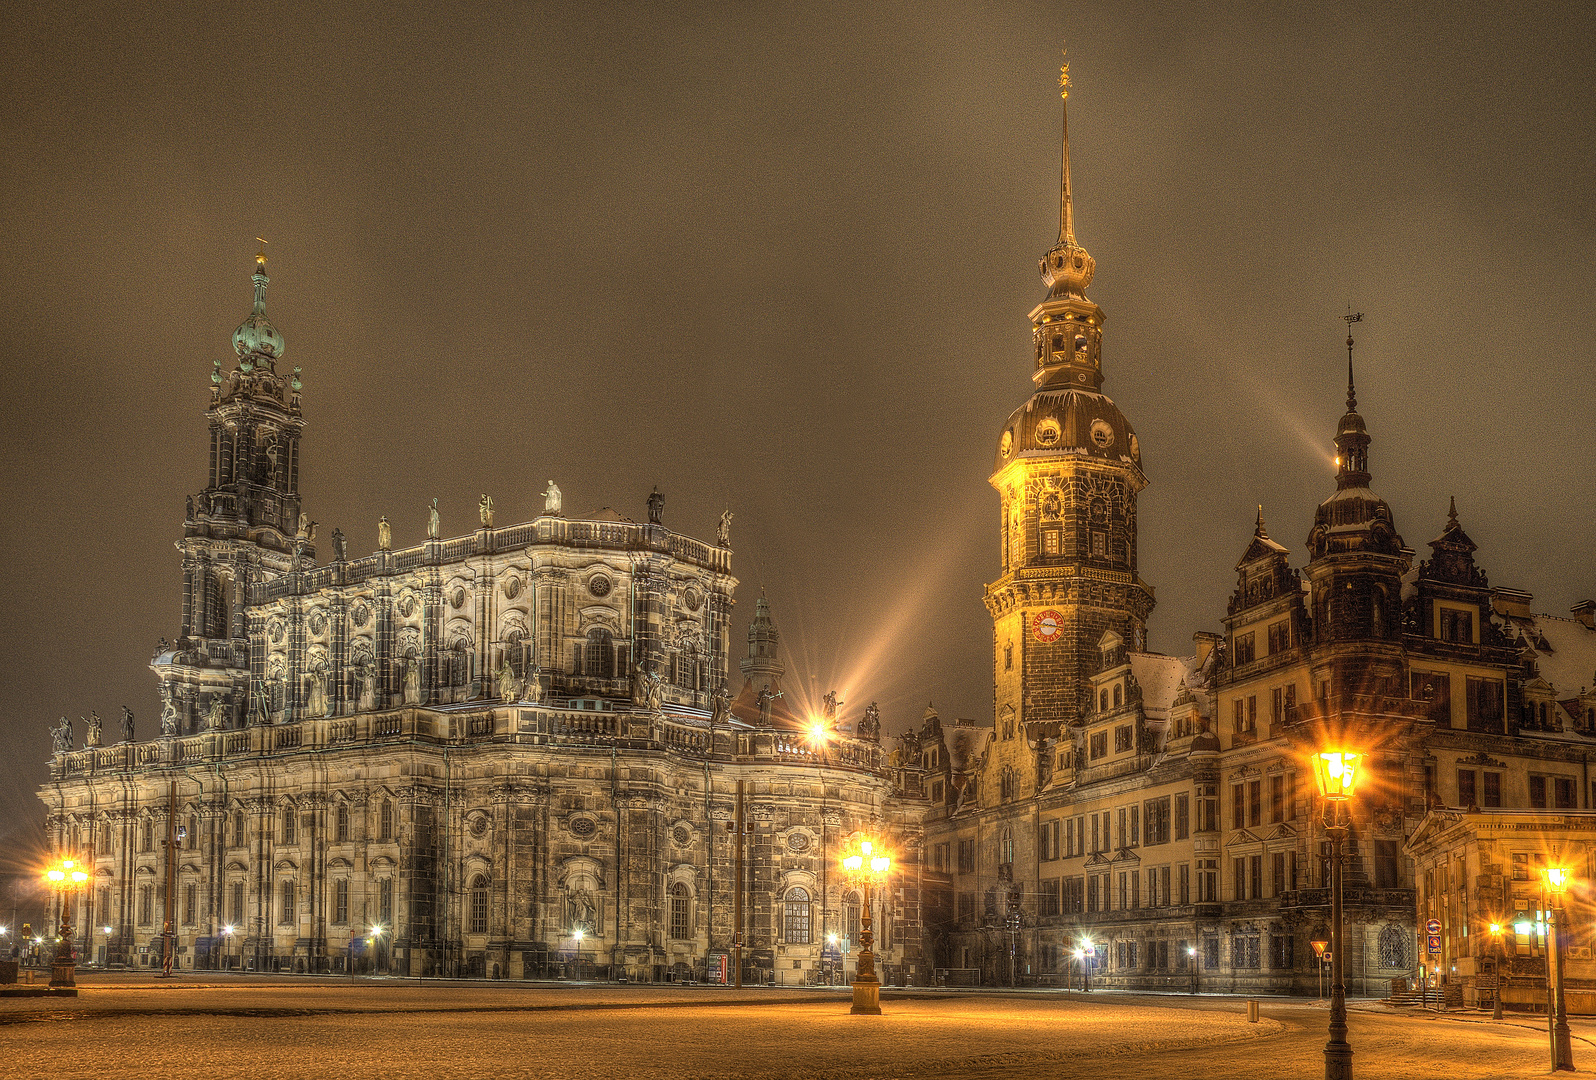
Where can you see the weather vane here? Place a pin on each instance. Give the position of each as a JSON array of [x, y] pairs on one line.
[[1064, 76]]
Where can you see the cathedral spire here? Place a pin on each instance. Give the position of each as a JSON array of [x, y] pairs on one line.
[[1352, 437], [256, 340]]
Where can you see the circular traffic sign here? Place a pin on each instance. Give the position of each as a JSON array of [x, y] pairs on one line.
[[1433, 926]]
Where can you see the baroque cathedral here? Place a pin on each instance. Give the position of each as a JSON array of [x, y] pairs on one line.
[[509, 753], [1151, 821]]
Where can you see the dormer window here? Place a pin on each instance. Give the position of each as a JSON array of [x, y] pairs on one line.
[[1457, 626]]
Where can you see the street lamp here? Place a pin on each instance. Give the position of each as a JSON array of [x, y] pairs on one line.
[[863, 869], [1086, 954], [1562, 1046], [1337, 774], [65, 878], [1191, 958], [227, 951], [375, 941], [1501, 974]]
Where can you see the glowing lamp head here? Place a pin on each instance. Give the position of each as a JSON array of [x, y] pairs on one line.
[[880, 864], [852, 862], [1557, 878], [227, 931], [1496, 928], [107, 929], [831, 938], [55, 875], [866, 848], [818, 732], [578, 935], [79, 877], [1337, 774]]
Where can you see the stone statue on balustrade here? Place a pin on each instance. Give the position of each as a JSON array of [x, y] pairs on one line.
[[828, 705], [723, 530], [720, 707], [169, 717], [870, 726], [62, 735], [766, 697], [551, 499], [216, 716], [384, 534], [91, 729], [509, 685], [432, 520], [127, 724], [534, 686]]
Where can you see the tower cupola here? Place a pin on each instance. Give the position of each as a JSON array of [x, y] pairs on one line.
[[256, 340]]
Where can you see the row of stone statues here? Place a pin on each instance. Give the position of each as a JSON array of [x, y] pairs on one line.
[[93, 726]]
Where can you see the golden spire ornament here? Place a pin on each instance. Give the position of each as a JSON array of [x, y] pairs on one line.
[[1064, 76]]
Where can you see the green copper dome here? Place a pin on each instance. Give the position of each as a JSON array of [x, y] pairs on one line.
[[256, 336]]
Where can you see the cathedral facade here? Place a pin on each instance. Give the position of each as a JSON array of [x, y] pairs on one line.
[[1150, 821], [509, 753]]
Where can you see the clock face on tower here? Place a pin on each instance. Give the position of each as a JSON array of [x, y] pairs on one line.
[[1047, 625]]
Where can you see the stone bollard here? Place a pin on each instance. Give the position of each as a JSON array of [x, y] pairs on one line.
[[1252, 1011]]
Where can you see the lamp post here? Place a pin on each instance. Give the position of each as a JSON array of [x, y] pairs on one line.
[[1319, 949], [227, 950], [375, 941], [1562, 1046], [1191, 958], [65, 878], [1501, 977], [1086, 954], [1336, 772], [863, 869]]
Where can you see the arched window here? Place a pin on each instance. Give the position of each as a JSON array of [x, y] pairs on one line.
[[289, 831], [289, 908], [385, 821], [147, 836], [795, 922], [1006, 847], [239, 828], [1006, 784], [479, 905], [1103, 703], [341, 835], [850, 918], [598, 659], [1117, 695], [681, 925], [1393, 947]]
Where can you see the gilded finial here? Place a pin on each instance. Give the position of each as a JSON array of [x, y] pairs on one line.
[[260, 256], [1064, 76]]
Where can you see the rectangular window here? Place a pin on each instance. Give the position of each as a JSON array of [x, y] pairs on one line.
[[1239, 716], [1563, 793], [1135, 890], [1182, 816], [1465, 788], [1124, 891], [385, 901], [1069, 838], [967, 909], [1096, 840], [1208, 881], [1100, 545], [966, 856], [1208, 808], [1050, 544], [1255, 864], [1387, 868], [1277, 867], [1277, 798], [1050, 898], [1435, 688], [1135, 825], [1239, 866], [1484, 704], [1255, 802], [1091, 893], [341, 900], [1279, 637], [1156, 816], [238, 904], [288, 826], [287, 909], [1521, 866], [1099, 745], [1457, 625], [1252, 712], [1277, 705], [190, 915], [1238, 806], [1185, 883], [1493, 789], [1124, 738], [1537, 786], [1246, 648]]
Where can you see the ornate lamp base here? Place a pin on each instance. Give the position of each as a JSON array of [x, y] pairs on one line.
[[866, 998]]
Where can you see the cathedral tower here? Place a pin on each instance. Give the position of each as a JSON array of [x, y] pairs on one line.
[[1067, 472], [243, 528]]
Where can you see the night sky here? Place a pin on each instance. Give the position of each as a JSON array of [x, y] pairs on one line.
[[778, 258]]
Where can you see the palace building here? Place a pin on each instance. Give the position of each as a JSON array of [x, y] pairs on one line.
[[508, 753], [1153, 819]]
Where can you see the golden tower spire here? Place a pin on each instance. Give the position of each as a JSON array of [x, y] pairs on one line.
[[1066, 214]]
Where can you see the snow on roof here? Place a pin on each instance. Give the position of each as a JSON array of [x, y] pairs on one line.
[[1570, 664], [1161, 678]]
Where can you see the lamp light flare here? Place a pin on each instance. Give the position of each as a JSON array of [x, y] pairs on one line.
[[1557, 878]]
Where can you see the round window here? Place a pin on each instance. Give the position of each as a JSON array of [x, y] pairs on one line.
[[583, 826], [1047, 432], [1102, 434], [599, 585]]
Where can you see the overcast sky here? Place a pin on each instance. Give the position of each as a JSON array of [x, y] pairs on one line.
[[778, 258]]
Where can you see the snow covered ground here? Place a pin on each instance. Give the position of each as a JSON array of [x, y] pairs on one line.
[[267, 1028]]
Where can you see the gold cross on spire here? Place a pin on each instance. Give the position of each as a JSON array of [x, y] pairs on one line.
[[260, 256]]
